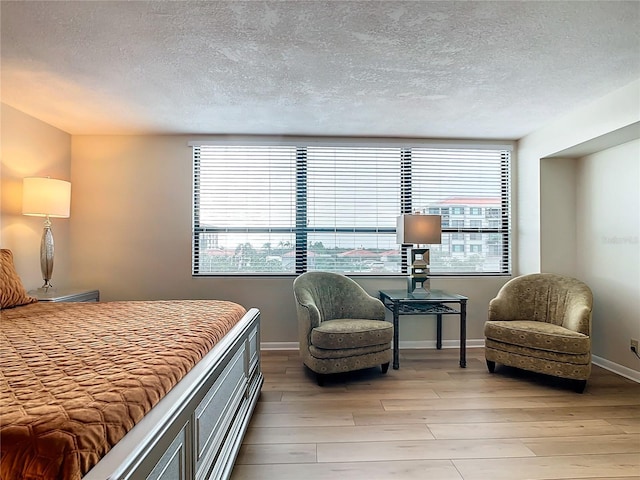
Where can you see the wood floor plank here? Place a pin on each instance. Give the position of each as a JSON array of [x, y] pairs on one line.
[[634, 477], [583, 445], [271, 453], [326, 434], [489, 390], [308, 419], [419, 450], [433, 420], [348, 406], [523, 429], [410, 383], [578, 412], [549, 468], [443, 416], [628, 425], [350, 395], [270, 396], [412, 470], [515, 402], [460, 403], [300, 386]]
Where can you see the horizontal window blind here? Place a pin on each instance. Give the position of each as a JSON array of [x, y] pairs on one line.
[[244, 207], [469, 188], [351, 207], [293, 208]]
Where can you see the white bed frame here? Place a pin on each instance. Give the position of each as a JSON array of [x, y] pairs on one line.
[[195, 431]]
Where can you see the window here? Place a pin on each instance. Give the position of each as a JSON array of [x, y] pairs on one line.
[[291, 208], [475, 211]]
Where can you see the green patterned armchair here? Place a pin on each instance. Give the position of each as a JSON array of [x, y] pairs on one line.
[[542, 323], [341, 327]]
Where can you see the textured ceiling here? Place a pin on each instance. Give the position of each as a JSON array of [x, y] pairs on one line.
[[370, 68]]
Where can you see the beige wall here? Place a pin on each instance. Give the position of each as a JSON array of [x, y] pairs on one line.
[[557, 215], [32, 148], [594, 122], [131, 234], [608, 248]]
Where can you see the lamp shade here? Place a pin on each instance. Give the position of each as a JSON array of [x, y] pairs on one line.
[[43, 197], [419, 229]]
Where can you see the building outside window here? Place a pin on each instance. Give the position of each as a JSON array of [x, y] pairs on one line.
[[492, 212]]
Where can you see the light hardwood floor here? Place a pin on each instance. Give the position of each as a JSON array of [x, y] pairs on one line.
[[433, 420]]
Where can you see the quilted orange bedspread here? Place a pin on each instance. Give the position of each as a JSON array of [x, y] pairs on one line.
[[76, 377]]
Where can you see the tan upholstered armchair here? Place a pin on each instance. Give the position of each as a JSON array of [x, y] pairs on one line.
[[542, 323], [340, 326]]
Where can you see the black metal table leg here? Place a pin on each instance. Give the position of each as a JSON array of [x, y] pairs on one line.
[[439, 332], [463, 333], [396, 336]]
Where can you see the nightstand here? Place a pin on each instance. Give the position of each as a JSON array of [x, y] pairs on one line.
[[67, 295]]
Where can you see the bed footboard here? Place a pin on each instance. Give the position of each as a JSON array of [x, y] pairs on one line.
[[196, 430]]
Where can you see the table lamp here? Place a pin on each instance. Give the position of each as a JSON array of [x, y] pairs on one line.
[[416, 229], [46, 197]]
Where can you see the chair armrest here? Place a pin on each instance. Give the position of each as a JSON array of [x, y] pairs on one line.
[[308, 312], [308, 318], [578, 319], [501, 308]]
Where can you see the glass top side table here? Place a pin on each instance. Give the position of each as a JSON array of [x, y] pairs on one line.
[[434, 302]]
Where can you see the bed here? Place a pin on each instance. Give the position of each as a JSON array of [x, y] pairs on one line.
[[126, 390]]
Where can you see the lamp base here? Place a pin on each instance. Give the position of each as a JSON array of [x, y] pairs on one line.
[[45, 289], [418, 282], [418, 286], [46, 256]]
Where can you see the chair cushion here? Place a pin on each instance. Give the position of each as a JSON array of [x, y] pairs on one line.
[[538, 335], [351, 333], [326, 353], [540, 365], [507, 348]]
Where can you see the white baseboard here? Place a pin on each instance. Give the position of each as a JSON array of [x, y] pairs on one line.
[[279, 345], [615, 368], [429, 344]]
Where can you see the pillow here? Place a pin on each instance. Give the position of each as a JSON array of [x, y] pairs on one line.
[[12, 292]]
